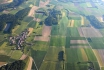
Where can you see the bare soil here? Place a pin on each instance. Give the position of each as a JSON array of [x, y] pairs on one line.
[[78, 42], [89, 32]]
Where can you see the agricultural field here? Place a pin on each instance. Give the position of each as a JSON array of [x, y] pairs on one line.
[[54, 35]]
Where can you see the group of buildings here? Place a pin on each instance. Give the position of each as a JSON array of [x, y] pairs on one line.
[[19, 40]]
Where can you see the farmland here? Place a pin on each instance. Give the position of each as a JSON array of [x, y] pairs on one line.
[[53, 34]]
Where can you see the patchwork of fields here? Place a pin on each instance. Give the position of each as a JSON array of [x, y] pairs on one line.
[[72, 44]]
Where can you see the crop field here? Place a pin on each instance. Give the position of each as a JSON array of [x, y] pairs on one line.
[[70, 42], [32, 24], [89, 4], [58, 41], [73, 32], [96, 43]]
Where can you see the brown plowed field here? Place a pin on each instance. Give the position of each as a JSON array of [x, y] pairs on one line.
[[89, 32], [41, 38], [78, 42], [46, 30], [80, 47]]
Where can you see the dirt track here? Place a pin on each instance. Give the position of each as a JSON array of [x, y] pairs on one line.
[[32, 11], [30, 63], [30, 31], [23, 57]]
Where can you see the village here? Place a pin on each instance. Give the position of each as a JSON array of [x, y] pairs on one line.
[[19, 40]]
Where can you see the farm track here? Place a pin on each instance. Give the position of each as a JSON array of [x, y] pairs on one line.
[[30, 63], [23, 57]]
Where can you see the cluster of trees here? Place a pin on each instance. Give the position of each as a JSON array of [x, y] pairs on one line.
[[95, 22], [61, 56], [22, 13], [11, 5], [53, 18], [17, 65], [7, 18], [13, 19], [42, 11]]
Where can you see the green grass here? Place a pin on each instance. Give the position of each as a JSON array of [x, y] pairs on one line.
[[32, 24], [97, 43], [40, 45], [16, 55], [75, 66], [67, 45], [77, 23], [101, 31], [57, 41], [74, 18], [37, 2], [38, 30], [28, 19], [52, 54], [51, 61], [55, 30], [38, 56], [72, 32], [73, 55], [21, 27], [90, 54], [102, 68]]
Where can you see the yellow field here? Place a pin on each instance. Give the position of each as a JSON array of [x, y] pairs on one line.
[[89, 4], [4, 44], [63, 14], [82, 20], [69, 23], [84, 56], [101, 64], [31, 5], [30, 31], [10, 1], [72, 23], [13, 30]]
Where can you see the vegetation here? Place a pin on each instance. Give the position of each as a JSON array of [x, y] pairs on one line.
[[20, 15], [94, 22], [53, 18], [14, 66], [14, 4]]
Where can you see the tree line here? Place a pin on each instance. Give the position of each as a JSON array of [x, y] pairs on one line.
[[17, 65], [95, 22], [11, 5], [13, 19]]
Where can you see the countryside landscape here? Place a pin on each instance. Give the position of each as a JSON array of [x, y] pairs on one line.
[[51, 34]]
